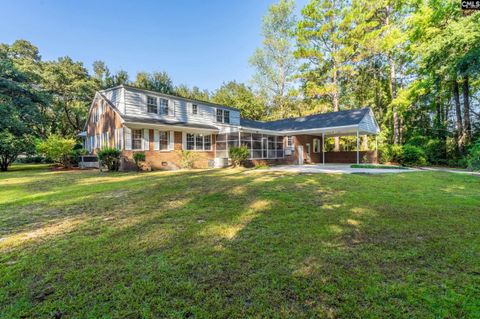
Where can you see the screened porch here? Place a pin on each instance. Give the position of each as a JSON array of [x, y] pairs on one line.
[[261, 146]]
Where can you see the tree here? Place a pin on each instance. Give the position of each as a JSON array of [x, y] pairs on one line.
[[321, 36], [274, 62], [156, 81], [193, 93], [11, 146], [242, 97], [72, 89]]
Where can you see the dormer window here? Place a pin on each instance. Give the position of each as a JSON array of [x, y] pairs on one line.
[[152, 106], [194, 109], [163, 107], [223, 116]]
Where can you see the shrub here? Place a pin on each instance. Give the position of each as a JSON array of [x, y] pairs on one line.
[[57, 148], [391, 153], [435, 151], [75, 155], [412, 155], [31, 159], [139, 158], [239, 155], [473, 157], [110, 157], [187, 159]]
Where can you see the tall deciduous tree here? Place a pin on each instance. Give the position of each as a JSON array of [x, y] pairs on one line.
[[274, 62], [156, 81]]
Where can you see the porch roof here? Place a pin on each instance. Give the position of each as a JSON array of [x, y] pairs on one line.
[[331, 124]]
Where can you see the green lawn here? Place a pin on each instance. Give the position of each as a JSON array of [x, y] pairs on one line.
[[231, 244]]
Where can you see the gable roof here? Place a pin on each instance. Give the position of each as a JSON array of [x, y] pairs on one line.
[[316, 121]]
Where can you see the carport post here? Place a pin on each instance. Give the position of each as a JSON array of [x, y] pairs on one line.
[[323, 148], [358, 149]]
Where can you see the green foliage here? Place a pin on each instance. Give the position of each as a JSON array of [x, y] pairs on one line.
[[156, 81], [110, 157], [239, 155], [187, 159], [473, 158], [242, 97], [412, 156], [11, 146], [391, 153], [57, 148], [139, 158]]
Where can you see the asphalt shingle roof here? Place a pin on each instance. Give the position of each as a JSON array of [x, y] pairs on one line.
[[325, 120]]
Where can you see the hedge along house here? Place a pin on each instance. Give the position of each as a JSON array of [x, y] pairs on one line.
[[162, 126]]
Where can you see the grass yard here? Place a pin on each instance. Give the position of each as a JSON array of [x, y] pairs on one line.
[[230, 244]]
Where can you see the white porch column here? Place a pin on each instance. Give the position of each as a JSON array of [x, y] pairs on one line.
[[323, 148], [358, 148]]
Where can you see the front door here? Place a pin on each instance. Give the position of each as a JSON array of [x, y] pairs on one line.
[[300, 154], [309, 159]]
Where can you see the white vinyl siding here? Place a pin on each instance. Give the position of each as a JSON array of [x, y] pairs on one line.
[[135, 104]]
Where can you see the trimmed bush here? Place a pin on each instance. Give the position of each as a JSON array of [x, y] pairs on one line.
[[109, 157], [239, 155], [139, 158], [57, 148], [412, 156]]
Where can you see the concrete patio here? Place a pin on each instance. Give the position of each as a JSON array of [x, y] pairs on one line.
[[333, 169]]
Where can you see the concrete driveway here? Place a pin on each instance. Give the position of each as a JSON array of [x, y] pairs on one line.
[[333, 169]]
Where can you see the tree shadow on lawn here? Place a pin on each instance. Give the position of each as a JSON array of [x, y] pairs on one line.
[[224, 244]]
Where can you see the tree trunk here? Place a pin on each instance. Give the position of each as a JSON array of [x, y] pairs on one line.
[[393, 90], [466, 110], [458, 112], [335, 102]]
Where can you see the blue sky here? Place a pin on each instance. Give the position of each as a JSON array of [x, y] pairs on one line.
[[201, 43]]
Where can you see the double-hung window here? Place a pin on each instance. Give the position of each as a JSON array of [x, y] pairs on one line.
[[223, 116], [163, 107], [194, 109], [199, 142], [163, 140], [136, 139], [152, 106]]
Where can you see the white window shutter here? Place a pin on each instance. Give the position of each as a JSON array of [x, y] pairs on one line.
[[128, 138], [184, 141], [171, 140], [156, 140], [189, 108], [108, 139], [146, 139]]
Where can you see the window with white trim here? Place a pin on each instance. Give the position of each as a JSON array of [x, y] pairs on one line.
[[163, 107], [163, 140], [152, 106], [223, 116], [199, 142], [136, 139], [316, 145]]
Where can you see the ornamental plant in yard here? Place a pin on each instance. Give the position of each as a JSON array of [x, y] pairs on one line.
[[110, 157], [57, 148], [239, 155], [139, 158], [187, 159]]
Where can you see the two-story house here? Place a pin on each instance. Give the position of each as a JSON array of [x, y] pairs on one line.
[[161, 126]]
